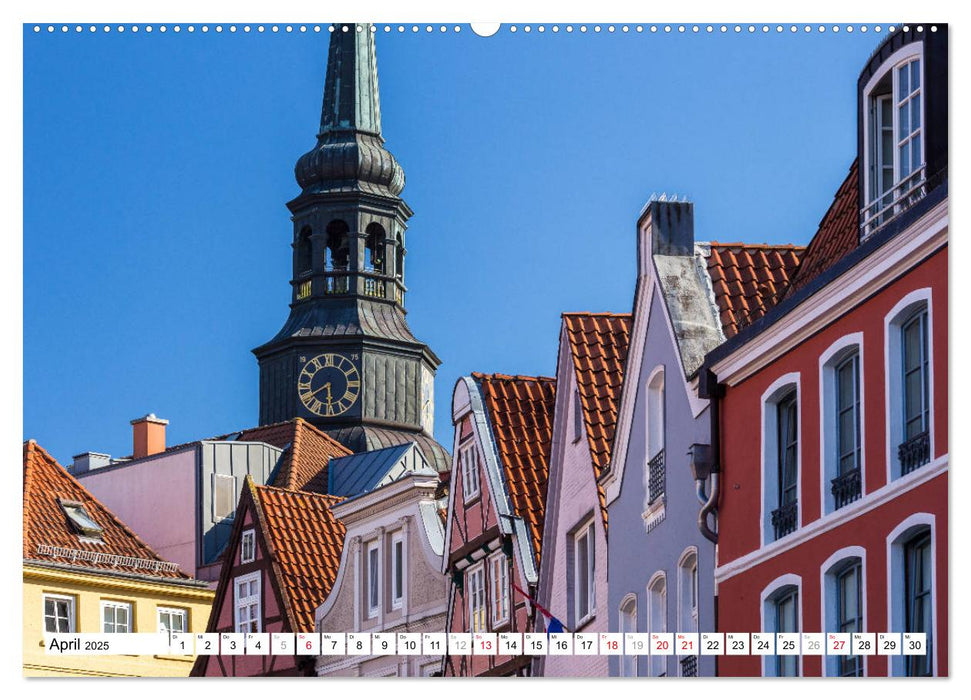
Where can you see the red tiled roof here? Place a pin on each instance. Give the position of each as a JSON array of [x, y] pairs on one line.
[[748, 280], [838, 232], [309, 450], [45, 522], [599, 343], [304, 541], [520, 410]]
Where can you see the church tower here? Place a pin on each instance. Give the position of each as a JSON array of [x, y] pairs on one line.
[[345, 359]]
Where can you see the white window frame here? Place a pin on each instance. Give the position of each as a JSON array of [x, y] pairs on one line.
[[475, 590], [829, 361], [469, 456], [688, 593], [778, 390], [893, 379], [173, 612], [372, 602], [657, 617], [247, 542], [586, 531], [117, 605], [246, 602], [232, 513], [499, 589], [627, 622], [71, 603], [828, 600], [767, 608], [906, 54], [397, 601], [897, 598]]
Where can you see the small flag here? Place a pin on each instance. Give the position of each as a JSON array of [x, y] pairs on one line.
[[553, 625]]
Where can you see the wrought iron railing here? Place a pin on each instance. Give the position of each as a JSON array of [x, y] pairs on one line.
[[303, 289], [846, 487], [655, 479], [689, 666], [914, 453], [784, 519]]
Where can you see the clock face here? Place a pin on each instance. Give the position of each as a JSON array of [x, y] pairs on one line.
[[329, 384]]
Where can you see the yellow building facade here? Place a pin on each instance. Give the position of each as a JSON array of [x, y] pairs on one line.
[[150, 603], [86, 572]]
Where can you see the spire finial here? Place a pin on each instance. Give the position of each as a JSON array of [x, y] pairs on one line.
[[351, 98]]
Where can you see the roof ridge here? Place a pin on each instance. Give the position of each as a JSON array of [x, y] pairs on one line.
[[301, 422], [611, 314], [757, 246], [516, 377], [298, 492]]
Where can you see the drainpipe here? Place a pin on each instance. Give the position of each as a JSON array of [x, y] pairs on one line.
[[706, 462]]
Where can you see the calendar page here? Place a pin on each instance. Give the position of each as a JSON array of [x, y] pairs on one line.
[[557, 349]]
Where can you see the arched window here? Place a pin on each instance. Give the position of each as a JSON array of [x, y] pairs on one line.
[[841, 389], [844, 604], [688, 591], [628, 623], [374, 248], [910, 385], [399, 268], [304, 251], [657, 611], [338, 251], [913, 590], [655, 436], [780, 458], [781, 613]]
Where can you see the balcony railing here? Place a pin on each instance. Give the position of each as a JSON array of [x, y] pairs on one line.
[[896, 200], [374, 288], [914, 453], [784, 519], [336, 284], [689, 666], [655, 479], [846, 487]]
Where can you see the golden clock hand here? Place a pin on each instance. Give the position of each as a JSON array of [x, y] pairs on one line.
[[325, 386]]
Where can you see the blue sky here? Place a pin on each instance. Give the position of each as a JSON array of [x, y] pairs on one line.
[[156, 168]]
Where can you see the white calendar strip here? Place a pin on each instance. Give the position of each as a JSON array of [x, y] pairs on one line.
[[677, 644]]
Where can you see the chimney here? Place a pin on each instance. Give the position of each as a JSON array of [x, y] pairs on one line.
[[89, 461], [670, 224], [148, 436]]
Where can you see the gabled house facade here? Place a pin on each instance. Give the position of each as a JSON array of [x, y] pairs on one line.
[[833, 511], [85, 571], [204, 481], [690, 296], [496, 507], [280, 563], [390, 577], [573, 571]]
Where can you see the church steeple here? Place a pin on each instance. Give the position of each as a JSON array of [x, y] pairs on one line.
[[345, 359]]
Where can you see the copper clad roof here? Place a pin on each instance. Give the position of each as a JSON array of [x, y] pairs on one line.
[[520, 410], [45, 523], [305, 542], [748, 280], [838, 232], [599, 344]]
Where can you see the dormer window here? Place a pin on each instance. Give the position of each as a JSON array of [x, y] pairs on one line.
[[80, 520], [894, 121]]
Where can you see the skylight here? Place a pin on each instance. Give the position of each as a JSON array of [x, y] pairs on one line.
[[80, 519]]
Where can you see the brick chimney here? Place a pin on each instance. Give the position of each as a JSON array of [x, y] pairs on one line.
[[148, 436]]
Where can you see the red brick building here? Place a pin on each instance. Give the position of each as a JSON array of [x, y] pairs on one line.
[[833, 452]]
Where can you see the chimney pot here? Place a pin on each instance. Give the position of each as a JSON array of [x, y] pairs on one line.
[[148, 436]]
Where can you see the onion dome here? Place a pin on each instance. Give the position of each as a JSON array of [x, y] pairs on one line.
[[350, 154]]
